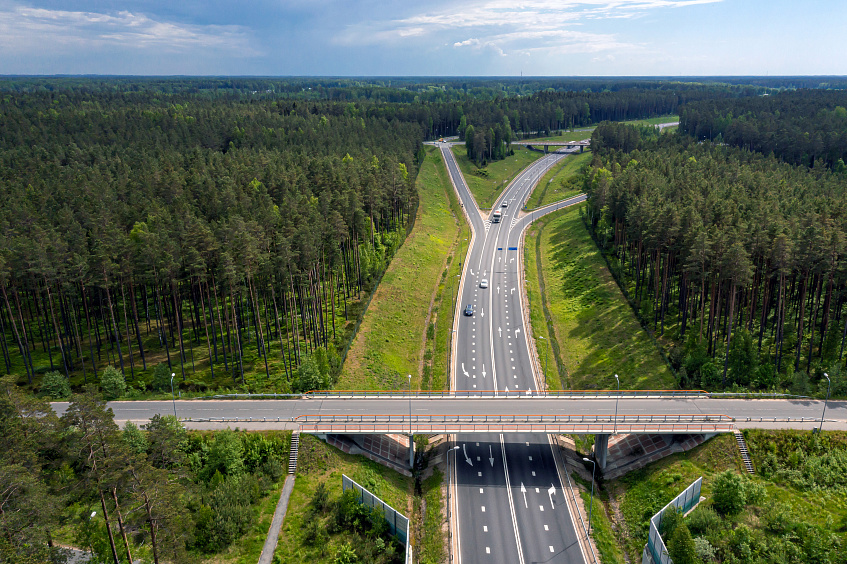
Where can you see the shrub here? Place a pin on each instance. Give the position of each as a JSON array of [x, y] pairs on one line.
[[134, 438], [112, 383], [225, 455], [681, 547], [55, 385], [728, 496], [161, 377], [704, 521], [704, 549]]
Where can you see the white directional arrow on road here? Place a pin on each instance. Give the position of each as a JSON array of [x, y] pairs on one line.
[[483, 371], [463, 369], [513, 291], [482, 311], [500, 331], [551, 492], [490, 456], [498, 290], [523, 491], [516, 334], [467, 458]]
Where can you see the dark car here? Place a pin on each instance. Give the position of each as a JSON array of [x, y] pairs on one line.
[[469, 309]]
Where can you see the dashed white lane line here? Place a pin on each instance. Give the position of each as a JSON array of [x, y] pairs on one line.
[[485, 528], [546, 528], [480, 490], [487, 550], [483, 509], [540, 507], [530, 459], [551, 549], [533, 473]]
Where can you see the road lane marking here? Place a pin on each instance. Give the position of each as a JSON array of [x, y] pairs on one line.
[[511, 502], [483, 509]]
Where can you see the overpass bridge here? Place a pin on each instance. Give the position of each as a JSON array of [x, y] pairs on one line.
[[569, 145]]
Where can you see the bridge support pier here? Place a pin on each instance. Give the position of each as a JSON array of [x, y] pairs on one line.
[[601, 449], [581, 148], [412, 451]]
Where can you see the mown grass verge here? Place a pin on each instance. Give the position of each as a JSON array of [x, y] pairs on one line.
[[585, 132], [576, 304], [561, 182], [487, 183], [389, 343]]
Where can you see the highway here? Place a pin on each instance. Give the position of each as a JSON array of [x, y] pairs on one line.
[[510, 502]]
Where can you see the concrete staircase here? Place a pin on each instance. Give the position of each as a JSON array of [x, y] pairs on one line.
[[292, 457], [745, 455]]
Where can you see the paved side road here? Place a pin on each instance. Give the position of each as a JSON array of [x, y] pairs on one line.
[[279, 516]]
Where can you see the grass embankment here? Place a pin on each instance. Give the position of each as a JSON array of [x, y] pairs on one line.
[[390, 341], [593, 330], [795, 509], [560, 183], [487, 183], [320, 463]]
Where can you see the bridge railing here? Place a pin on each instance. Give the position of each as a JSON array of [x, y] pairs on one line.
[[513, 394], [577, 424]]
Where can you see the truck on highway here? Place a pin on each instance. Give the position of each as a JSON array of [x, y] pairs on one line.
[[496, 217]]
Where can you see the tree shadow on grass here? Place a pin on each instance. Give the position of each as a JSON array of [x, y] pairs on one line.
[[605, 325]]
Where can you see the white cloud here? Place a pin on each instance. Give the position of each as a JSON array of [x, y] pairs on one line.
[[24, 29], [507, 26]]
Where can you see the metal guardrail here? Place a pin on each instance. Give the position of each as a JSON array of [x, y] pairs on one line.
[[578, 512], [559, 394], [512, 394]]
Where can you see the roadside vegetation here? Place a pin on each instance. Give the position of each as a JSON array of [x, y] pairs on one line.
[[561, 182], [397, 334], [487, 182], [576, 305], [324, 526], [154, 493], [791, 510]]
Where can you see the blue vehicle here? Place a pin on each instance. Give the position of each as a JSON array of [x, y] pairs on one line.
[[469, 310]]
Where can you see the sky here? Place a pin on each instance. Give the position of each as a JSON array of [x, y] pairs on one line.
[[431, 38]]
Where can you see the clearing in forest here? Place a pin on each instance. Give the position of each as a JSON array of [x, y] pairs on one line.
[[594, 332]]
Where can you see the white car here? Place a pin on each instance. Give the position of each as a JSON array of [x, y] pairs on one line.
[[484, 283]]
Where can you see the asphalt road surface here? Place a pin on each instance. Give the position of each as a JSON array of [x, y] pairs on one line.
[[510, 500]]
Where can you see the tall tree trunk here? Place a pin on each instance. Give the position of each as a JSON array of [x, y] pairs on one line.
[[108, 525], [128, 333], [206, 328], [121, 524], [56, 329], [732, 291], [114, 323], [178, 320], [21, 344]]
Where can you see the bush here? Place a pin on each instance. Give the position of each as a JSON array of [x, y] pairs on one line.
[[112, 383], [681, 547], [705, 550], [728, 496], [703, 521], [161, 377], [55, 385], [134, 438], [225, 455]]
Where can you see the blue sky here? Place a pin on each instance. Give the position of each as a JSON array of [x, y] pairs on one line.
[[436, 37]]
